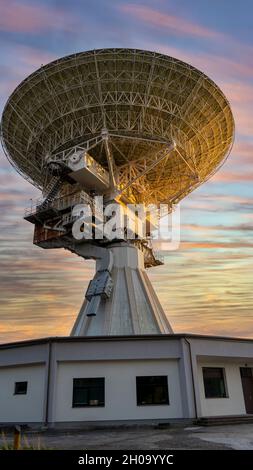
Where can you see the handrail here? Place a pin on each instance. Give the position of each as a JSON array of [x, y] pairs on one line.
[[59, 203]]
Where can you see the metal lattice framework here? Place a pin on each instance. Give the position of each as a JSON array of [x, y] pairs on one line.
[[146, 101]]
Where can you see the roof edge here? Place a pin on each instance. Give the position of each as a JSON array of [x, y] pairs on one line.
[[155, 337]]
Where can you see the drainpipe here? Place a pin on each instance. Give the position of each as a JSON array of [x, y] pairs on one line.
[[193, 382], [48, 381]]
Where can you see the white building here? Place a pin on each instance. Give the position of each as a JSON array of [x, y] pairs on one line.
[[66, 380]]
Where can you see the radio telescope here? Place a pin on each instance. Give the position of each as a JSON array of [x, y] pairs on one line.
[[132, 126]]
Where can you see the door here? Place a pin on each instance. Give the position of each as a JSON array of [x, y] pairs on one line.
[[247, 386]]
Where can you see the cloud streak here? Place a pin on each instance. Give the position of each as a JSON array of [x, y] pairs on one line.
[[170, 23], [24, 17], [206, 285]]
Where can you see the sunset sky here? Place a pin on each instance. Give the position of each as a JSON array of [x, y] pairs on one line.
[[206, 286]]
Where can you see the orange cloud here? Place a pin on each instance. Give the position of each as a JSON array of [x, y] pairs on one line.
[[211, 228], [229, 245]]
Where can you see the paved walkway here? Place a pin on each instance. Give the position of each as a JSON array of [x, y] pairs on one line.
[[146, 438], [237, 436]]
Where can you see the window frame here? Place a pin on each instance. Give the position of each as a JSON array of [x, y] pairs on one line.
[[165, 403], [88, 405], [226, 395], [18, 383]]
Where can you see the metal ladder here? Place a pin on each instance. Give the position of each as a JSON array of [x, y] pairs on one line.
[[54, 187]]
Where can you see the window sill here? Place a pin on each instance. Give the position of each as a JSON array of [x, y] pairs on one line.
[[216, 398], [153, 404], [88, 406]]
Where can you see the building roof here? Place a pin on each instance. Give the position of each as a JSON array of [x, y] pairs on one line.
[[87, 339]]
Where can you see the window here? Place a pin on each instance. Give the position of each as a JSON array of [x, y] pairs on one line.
[[214, 382], [152, 390], [89, 392], [20, 388], [246, 372]]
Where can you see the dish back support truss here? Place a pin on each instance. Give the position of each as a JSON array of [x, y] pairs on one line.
[[132, 93]]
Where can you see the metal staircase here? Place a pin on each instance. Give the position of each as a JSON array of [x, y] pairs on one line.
[[53, 190], [43, 210]]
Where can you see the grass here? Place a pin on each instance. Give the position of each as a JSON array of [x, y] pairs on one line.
[[25, 444]]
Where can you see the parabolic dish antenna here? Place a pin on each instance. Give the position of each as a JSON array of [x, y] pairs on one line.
[[132, 126], [145, 100]]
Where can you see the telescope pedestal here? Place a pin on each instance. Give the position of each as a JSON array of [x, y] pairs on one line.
[[132, 308]]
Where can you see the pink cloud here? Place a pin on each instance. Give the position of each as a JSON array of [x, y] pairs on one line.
[[174, 24], [32, 57], [25, 60], [240, 95], [244, 150], [238, 92], [28, 18], [179, 26], [211, 64], [230, 176]]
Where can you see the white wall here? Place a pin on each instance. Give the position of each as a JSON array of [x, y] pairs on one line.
[[120, 390], [234, 404], [22, 408]]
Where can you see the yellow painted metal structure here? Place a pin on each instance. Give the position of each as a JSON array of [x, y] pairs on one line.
[[146, 101]]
